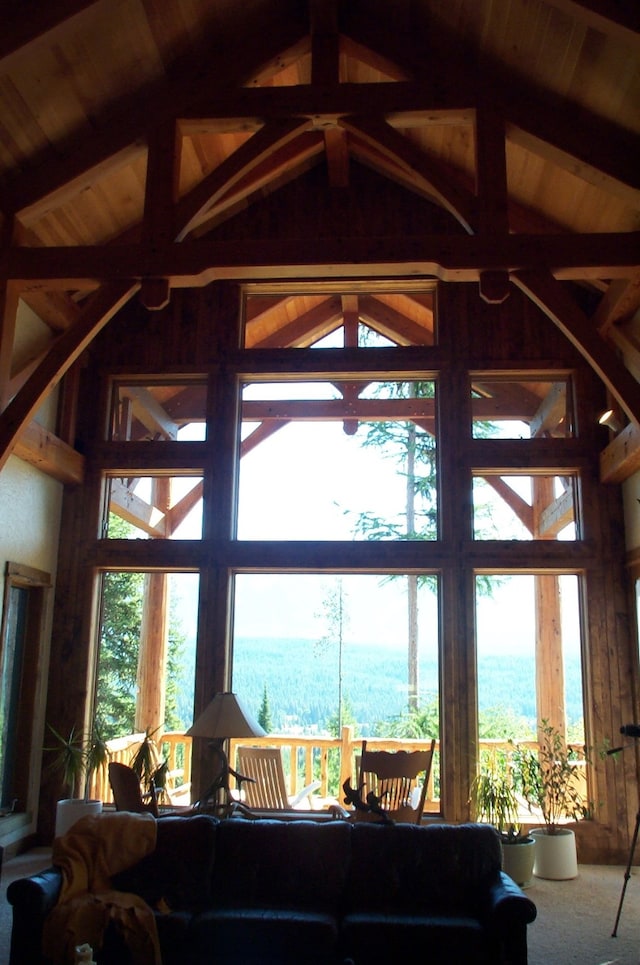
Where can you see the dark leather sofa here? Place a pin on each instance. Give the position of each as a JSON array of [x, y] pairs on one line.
[[309, 893]]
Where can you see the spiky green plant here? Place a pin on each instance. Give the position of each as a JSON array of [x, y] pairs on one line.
[[78, 757]]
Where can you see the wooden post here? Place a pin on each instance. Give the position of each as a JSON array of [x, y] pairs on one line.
[[154, 634], [152, 656], [550, 700]]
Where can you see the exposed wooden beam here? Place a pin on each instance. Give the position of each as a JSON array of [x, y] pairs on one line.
[[9, 296], [141, 514], [451, 258], [619, 20], [392, 324], [552, 298], [283, 164], [408, 155], [560, 513], [35, 19], [619, 303], [150, 412], [337, 410], [492, 205], [519, 506], [239, 165], [306, 329], [547, 122], [124, 135], [621, 458], [44, 450], [67, 348]]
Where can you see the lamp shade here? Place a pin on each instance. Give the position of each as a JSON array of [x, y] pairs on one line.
[[225, 716]]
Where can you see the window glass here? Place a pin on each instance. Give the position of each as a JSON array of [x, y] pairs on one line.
[[334, 318], [507, 408], [158, 411], [329, 651], [517, 635], [154, 507], [524, 507], [338, 461]]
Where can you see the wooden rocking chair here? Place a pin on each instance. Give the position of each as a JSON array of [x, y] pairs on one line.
[[392, 778]]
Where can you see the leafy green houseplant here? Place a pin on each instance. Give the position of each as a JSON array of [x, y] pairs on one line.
[[78, 757], [495, 801], [549, 781]]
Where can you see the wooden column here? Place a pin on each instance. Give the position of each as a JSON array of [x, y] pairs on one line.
[[154, 632], [152, 656], [550, 702]]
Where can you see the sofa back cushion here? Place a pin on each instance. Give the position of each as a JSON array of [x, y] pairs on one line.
[[178, 873], [409, 868], [295, 864]]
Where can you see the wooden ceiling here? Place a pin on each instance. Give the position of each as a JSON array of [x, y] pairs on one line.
[[131, 130]]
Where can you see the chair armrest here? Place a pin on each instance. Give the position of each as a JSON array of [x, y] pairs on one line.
[[32, 899], [305, 792]]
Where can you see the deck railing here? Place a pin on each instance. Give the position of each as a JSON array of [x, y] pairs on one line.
[[305, 759]]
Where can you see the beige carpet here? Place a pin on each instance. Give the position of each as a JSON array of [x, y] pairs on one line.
[[573, 927], [576, 918]]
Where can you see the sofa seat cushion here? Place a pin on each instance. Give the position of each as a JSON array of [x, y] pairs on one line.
[[267, 936], [378, 939], [295, 865]]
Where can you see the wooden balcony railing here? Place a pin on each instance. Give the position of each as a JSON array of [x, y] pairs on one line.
[[305, 759]]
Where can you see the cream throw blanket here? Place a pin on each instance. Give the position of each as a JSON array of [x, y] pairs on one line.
[[96, 848]]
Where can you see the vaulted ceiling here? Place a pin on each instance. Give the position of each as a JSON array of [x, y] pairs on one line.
[[133, 133]]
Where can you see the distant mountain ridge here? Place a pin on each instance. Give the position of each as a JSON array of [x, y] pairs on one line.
[[302, 682]]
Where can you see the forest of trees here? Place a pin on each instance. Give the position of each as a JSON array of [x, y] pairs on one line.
[[302, 688]]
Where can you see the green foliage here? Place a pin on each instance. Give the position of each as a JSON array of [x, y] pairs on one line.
[[122, 599], [548, 778], [264, 714], [78, 757], [421, 721], [494, 797], [144, 762]]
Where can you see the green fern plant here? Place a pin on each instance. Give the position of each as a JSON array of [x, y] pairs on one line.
[[548, 778]]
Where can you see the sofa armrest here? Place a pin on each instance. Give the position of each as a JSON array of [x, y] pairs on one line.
[[507, 903], [509, 911], [32, 899]]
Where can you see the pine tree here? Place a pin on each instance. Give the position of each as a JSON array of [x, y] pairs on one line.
[[264, 714]]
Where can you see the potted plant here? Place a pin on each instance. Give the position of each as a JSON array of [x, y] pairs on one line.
[[78, 757], [151, 771], [495, 801], [549, 782]]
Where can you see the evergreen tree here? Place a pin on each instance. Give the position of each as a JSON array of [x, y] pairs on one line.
[[122, 595], [264, 714]]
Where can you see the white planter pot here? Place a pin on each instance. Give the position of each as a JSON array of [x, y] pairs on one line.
[[556, 856], [70, 810], [518, 859]]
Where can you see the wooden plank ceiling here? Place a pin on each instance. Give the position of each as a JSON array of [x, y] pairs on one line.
[[132, 129]]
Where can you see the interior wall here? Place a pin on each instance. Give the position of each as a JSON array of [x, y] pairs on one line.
[[30, 513]]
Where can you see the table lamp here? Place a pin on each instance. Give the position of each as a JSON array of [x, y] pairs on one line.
[[223, 717]]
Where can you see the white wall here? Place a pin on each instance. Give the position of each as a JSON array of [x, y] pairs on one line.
[[30, 508]]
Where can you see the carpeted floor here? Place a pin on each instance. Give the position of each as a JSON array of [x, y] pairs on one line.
[[576, 918], [573, 927]]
